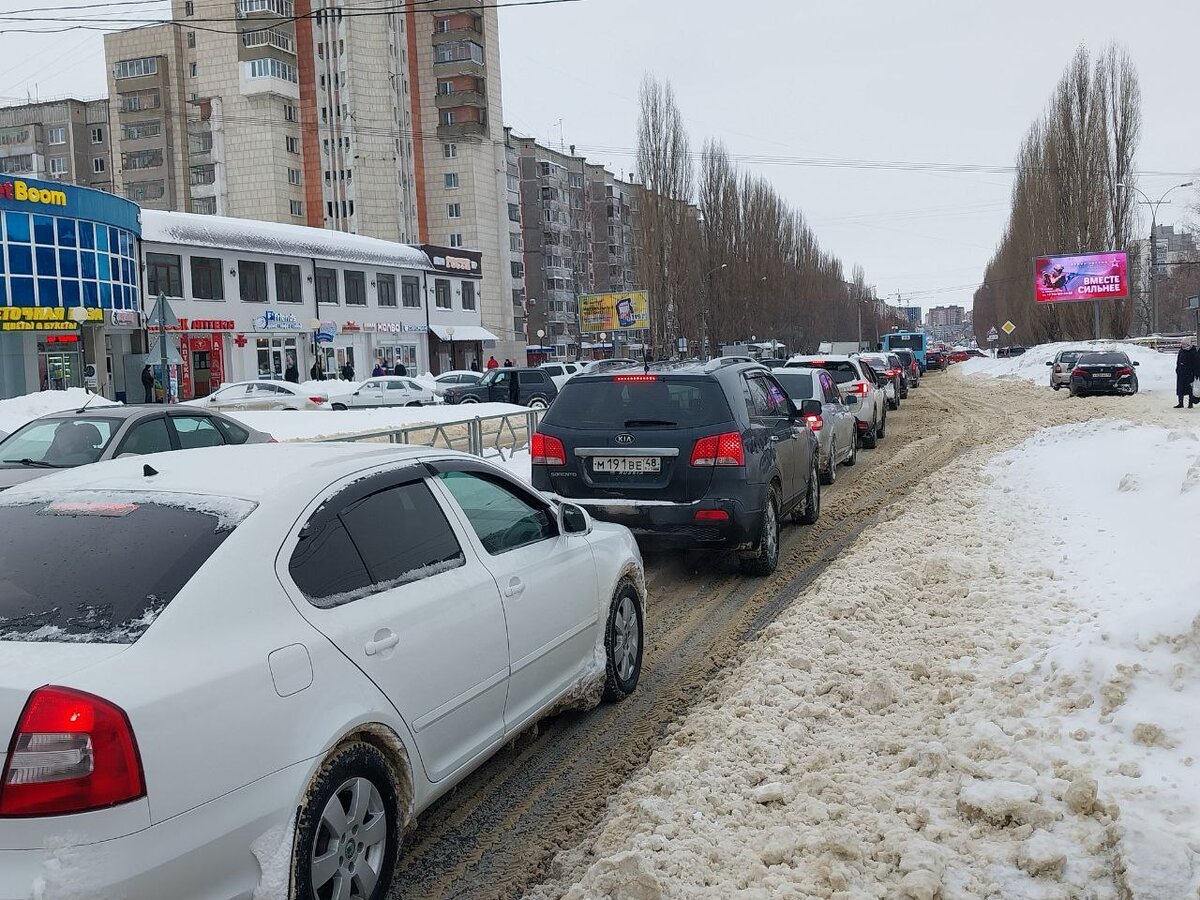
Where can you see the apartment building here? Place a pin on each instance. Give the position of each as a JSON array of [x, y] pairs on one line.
[[61, 140], [383, 122]]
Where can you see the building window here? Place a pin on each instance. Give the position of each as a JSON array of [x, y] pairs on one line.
[[385, 286], [441, 26], [208, 282], [189, 8], [447, 117], [410, 288], [458, 51], [518, 270], [282, 8], [441, 293], [289, 113], [139, 100], [164, 274], [451, 179], [514, 243], [269, 67], [327, 286], [193, 68], [296, 208], [56, 135], [98, 165], [201, 175], [97, 135], [199, 144], [293, 176], [449, 151], [292, 144], [468, 295], [356, 288], [136, 131], [136, 68], [58, 165], [514, 212], [252, 281], [138, 191], [445, 88], [287, 283], [456, 239], [268, 37], [191, 40], [454, 210], [204, 206]]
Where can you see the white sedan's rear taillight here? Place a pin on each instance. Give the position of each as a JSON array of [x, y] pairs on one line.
[[72, 752]]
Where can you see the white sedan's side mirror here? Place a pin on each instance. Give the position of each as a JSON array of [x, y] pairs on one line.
[[574, 519]]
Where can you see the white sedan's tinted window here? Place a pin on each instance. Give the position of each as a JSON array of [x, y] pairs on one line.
[[501, 518]]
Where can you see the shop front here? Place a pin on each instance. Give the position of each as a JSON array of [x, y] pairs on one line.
[[202, 347], [68, 259], [274, 342], [401, 343]]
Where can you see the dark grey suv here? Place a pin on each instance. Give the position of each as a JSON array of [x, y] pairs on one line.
[[524, 387], [685, 455]]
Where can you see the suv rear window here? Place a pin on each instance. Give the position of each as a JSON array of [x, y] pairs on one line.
[[99, 569], [665, 402], [843, 371]]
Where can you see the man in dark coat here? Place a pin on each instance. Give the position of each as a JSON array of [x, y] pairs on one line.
[[148, 383], [292, 373], [1187, 370]]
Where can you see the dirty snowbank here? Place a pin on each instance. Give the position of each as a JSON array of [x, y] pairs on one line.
[[1156, 371], [16, 412], [898, 731]]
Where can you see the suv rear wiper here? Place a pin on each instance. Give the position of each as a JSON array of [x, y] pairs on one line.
[[37, 463], [643, 423]]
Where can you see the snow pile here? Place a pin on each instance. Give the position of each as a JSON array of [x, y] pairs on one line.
[[907, 729], [307, 425], [1156, 371], [16, 412]]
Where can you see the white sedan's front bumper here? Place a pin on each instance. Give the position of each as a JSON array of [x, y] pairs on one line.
[[204, 854]]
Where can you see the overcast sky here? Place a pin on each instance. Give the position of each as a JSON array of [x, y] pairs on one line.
[[947, 82]]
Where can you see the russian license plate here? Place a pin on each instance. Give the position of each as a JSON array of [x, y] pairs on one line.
[[1101, 375], [627, 465]]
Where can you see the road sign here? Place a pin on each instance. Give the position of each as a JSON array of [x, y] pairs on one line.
[[1009, 328], [162, 316]]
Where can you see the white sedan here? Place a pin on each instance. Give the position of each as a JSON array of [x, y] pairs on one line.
[[561, 372], [454, 377], [388, 390], [263, 662], [263, 394]]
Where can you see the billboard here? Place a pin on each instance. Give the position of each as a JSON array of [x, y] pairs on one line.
[[614, 312], [1087, 276]]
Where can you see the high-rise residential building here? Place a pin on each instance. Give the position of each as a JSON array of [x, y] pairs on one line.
[[577, 237], [382, 121], [60, 140], [911, 314]]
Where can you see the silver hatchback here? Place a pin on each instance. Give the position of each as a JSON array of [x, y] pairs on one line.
[[1061, 366]]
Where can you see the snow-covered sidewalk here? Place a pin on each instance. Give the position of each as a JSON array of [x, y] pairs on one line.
[[996, 706]]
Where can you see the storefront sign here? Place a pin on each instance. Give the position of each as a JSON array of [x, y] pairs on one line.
[[351, 328], [277, 321], [454, 260], [185, 371], [124, 318], [23, 192], [46, 318], [416, 329], [325, 332], [388, 327], [208, 324]]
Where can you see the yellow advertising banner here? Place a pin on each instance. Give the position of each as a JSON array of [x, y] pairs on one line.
[[614, 312], [46, 318]]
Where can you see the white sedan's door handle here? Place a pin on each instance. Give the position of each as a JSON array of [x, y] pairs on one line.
[[516, 587], [374, 648]]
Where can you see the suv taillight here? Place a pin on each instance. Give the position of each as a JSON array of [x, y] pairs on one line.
[[861, 387], [547, 451], [719, 450], [815, 422], [71, 752]]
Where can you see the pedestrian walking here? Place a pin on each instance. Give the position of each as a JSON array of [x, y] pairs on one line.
[[508, 363], [492, 363], [1187, 372], [148, 383], [292, 373], [400, 369], [317, 371], [378, 371], [474, 365], [348, 371]]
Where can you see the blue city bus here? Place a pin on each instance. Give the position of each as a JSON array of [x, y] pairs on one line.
[[915, 341]]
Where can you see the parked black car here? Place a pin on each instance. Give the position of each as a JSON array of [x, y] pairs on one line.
[[685, 455], [524, 387], [936, 359], [1103, 372]]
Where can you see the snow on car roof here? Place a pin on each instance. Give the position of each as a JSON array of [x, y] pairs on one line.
[[250, 472], [252, 236]]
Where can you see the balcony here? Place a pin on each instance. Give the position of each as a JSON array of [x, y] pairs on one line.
[[461, 130], [459, 57], [284, 9], [457, 34], [460, 98]]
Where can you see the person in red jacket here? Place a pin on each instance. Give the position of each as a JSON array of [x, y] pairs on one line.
[[492, 364]]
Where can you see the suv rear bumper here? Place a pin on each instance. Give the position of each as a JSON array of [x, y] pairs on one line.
[[663, 525]]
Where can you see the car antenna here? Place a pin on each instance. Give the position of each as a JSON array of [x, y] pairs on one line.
[[90, 398], [149, 471]]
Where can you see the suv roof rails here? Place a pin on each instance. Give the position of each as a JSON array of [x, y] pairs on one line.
[[721, 361]]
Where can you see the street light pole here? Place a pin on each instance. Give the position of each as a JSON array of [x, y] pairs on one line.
[[1154, 205]]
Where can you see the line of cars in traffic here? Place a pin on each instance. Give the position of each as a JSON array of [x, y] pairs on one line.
[[303, 596]]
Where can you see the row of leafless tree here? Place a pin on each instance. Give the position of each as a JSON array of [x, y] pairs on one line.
[[1068, 198], [724, 257]]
